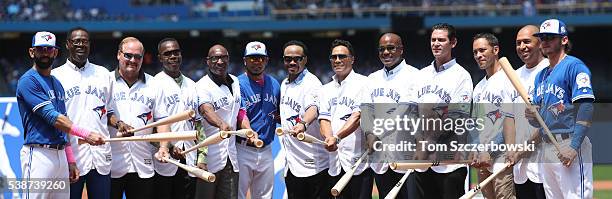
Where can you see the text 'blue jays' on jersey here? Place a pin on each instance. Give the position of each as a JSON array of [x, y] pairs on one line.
[[261, 105], [35, 91], [558, 88]]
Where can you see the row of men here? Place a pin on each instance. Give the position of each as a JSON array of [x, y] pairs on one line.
[[254, 100]]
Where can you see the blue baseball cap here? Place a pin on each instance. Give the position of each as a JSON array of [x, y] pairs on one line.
[[255, 48], [44, 39], [552, 27]]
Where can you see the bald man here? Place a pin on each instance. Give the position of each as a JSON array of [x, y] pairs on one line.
[[390, 84], [527, 180]]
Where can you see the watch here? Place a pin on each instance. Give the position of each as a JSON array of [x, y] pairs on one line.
[[305, 124], [337, 139]]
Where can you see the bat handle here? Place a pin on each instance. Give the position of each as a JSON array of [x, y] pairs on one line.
[[258, 143], [548, 133]]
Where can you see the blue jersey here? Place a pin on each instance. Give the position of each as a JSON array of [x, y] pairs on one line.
[[558, 88], [261, 103], [33, 92]]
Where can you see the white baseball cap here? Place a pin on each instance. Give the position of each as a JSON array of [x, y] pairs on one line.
[[255, 48], [45, 39], [552, 27]]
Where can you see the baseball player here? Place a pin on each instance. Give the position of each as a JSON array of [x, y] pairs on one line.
[[339, 99], [260, 95], [390, 85], [41, 100], [220, 104], [139, 102], [442, 83], [492, 100], [565, 98], [527, 181], [89, 103], [180, 95], [306, 164]]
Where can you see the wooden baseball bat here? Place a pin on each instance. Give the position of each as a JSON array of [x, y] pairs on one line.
[[309, 139], [157, 137], [200, 173], [422, 165], [470, 194], [516, 82], [168, 120], [396, 189], [280, 131], [245, 133], [214, 139], [344, 180]]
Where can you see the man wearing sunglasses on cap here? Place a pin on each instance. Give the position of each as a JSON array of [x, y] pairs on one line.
[[306, 165], [139, 102], [260, 94], [339, 120], [564, 97]]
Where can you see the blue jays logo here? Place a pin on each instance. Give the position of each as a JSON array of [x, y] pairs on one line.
[[100, 110], [294, 119], [556, 108], [345, 117], [145, 117], [441, 111], [256, 46], [47, 37], [494, 115]]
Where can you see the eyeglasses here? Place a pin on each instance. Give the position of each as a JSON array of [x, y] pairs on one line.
[[224, 58], [296, 59], [338, 56], [391, 49], [253, 58], [79, 41], [129, 56], [176, 52], [548, 37], [42, 49]]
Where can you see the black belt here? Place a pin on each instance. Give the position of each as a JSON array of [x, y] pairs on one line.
[[243, 141], [49, 146], [558, 137]]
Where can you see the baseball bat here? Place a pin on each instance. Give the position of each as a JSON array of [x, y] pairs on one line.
[[168, 120], [6, 114], [344, 180], [422, 165], [280, 131], [157, 137], [516, 82], [309, 139], [245, 133], [470, 194], [200, 173], [214, 139], [396, 189]]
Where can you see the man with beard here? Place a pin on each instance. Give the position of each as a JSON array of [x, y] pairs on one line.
[[139, 102], [260, 95], [89, 103], [180, 96], [46, 152]]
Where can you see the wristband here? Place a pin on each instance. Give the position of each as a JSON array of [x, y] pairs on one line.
[[69, 154], [78, 131]]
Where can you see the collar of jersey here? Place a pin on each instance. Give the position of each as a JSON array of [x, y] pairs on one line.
[[348, 78], [217, 80], [445, 66], [74, 67], [299, 78], [141, 75], [394, 71]]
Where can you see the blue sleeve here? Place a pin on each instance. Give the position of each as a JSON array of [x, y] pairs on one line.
[[48, 113], [32, 93], [580, 82], [585, 113]]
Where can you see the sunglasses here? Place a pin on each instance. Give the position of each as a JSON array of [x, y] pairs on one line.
[[296, 59], [391, 49], [42, 49], [217, 58], [338, 56], [176, 52], [129, 56]]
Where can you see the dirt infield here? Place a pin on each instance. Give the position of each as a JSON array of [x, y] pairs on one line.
[[602, 185]]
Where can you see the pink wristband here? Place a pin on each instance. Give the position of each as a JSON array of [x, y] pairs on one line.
[[69, 154], [241, 115], [78, 131]]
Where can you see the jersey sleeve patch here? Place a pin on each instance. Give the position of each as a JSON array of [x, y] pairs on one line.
[[583, 80]]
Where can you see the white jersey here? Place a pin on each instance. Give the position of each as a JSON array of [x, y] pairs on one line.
[[302, 158], [337, 102], [451, 85], [394, 86], [527, 168], [88, 102], [137, 106], [177, 99], [226, 105]]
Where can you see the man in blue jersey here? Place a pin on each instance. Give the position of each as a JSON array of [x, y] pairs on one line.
[[564, 96], [260, 95], [40, 96]]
